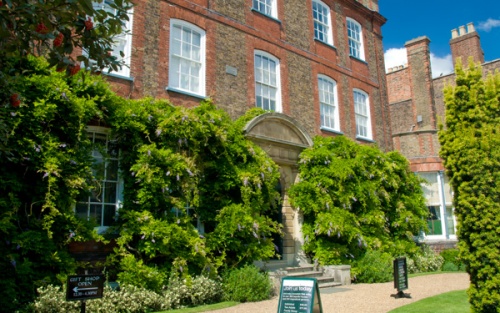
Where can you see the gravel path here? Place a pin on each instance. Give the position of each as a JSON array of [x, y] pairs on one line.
[[372, 298]]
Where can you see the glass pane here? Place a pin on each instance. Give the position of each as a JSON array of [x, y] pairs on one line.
[[96, 192], [450, 221], [109, 215], [110, 192], [98, 169], [434, 221], [95, 213], [112, 170], [81, 210]]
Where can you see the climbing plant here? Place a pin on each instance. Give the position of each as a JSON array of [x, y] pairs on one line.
[[354, 199]]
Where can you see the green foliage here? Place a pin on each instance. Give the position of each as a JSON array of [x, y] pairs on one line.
[[47, 164], [373, 267], [181, 292], [355, 199], [58, 30], [246, 284], [470, 148], [451, 260], [183, 167], [426, 260]]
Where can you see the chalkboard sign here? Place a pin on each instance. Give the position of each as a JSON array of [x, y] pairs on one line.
[[400, 274], [299, 295]]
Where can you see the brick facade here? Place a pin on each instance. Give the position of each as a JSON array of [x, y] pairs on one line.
[[234, 31]]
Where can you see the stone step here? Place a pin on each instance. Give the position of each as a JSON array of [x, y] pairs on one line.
[[309, 274], [299, 269]]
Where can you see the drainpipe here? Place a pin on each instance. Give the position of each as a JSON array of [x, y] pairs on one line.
[[443, 203]]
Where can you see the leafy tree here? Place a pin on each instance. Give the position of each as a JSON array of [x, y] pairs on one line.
[[470, 148], [355, 199], [48, 164]]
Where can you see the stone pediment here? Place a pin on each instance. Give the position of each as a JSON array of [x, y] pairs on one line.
[[282, 137]]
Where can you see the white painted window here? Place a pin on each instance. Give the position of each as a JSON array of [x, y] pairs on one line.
[[267, 7], [329, 112], [122, 42], [187, 58], [267, 81], [355, 36], [439, 199], [322, 22], [362, 114], [101, 204]]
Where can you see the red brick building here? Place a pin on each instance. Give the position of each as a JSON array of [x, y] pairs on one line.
[[417, 107], [318, 65]]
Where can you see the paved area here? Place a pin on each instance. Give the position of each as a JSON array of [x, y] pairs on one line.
[[369, 298]]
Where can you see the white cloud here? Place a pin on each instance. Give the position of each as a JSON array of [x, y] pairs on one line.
[[395, 57], [488, 24], [439, 65]]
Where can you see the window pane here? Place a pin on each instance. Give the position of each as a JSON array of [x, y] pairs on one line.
[[81, 210], [110, 192], [450, 222], [109, 215], [434, 221], [95, 213]]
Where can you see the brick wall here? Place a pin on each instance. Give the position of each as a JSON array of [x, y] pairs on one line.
[[465, 43]]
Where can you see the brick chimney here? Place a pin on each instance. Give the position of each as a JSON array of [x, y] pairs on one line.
[[419, 65], [465, 42]]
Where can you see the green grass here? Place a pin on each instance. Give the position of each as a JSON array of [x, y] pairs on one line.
[[449, 302], [204, 308], [433, 273]]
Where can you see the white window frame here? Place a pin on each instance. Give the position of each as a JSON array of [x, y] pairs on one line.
[[187, 72], [99, 199], [126, 37], [355, 36], [362, 114], [322, 22], [267, 81], [328, 102], [266, 7], [444, 202]]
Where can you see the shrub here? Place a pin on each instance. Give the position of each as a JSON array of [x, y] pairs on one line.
[[452, 260], [374, 267], [426, 261], [127, 299], [247, 284], [189, 291]]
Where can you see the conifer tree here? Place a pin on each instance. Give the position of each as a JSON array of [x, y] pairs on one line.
[[470, 148]]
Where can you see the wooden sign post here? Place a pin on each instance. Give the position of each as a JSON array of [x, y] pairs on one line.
[[299, 295]]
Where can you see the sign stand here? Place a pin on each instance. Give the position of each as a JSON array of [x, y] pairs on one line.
[[84, 287], [400, 278], [299, 295]]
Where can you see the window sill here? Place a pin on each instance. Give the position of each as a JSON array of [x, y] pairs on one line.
[[325, 43], [365, 139], [268, 16], [115, 75], [331, 130], [358, 59], [187, 93]]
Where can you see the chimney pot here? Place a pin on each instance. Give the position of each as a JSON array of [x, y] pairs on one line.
[[470, 28], [454, 33], [462, 30]]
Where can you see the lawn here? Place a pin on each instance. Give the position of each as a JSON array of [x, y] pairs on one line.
[[203, 308], [449, 302]]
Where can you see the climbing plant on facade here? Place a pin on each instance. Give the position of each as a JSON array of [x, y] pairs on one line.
[[197, 192], [354, 199], [470, 148]]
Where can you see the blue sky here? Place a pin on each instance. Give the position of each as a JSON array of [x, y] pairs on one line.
[[435, 19]]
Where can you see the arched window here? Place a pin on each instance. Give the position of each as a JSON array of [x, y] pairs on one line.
[[355, 35], [329, 112], [362, 113], [267, 81], [187, 58], [322, 22]]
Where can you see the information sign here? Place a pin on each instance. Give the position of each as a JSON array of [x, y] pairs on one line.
[[299, 295], [400, 274], [83, 287]]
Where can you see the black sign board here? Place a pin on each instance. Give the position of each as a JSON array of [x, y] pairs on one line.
[[83, 287], [400, 274], [299, 295]]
